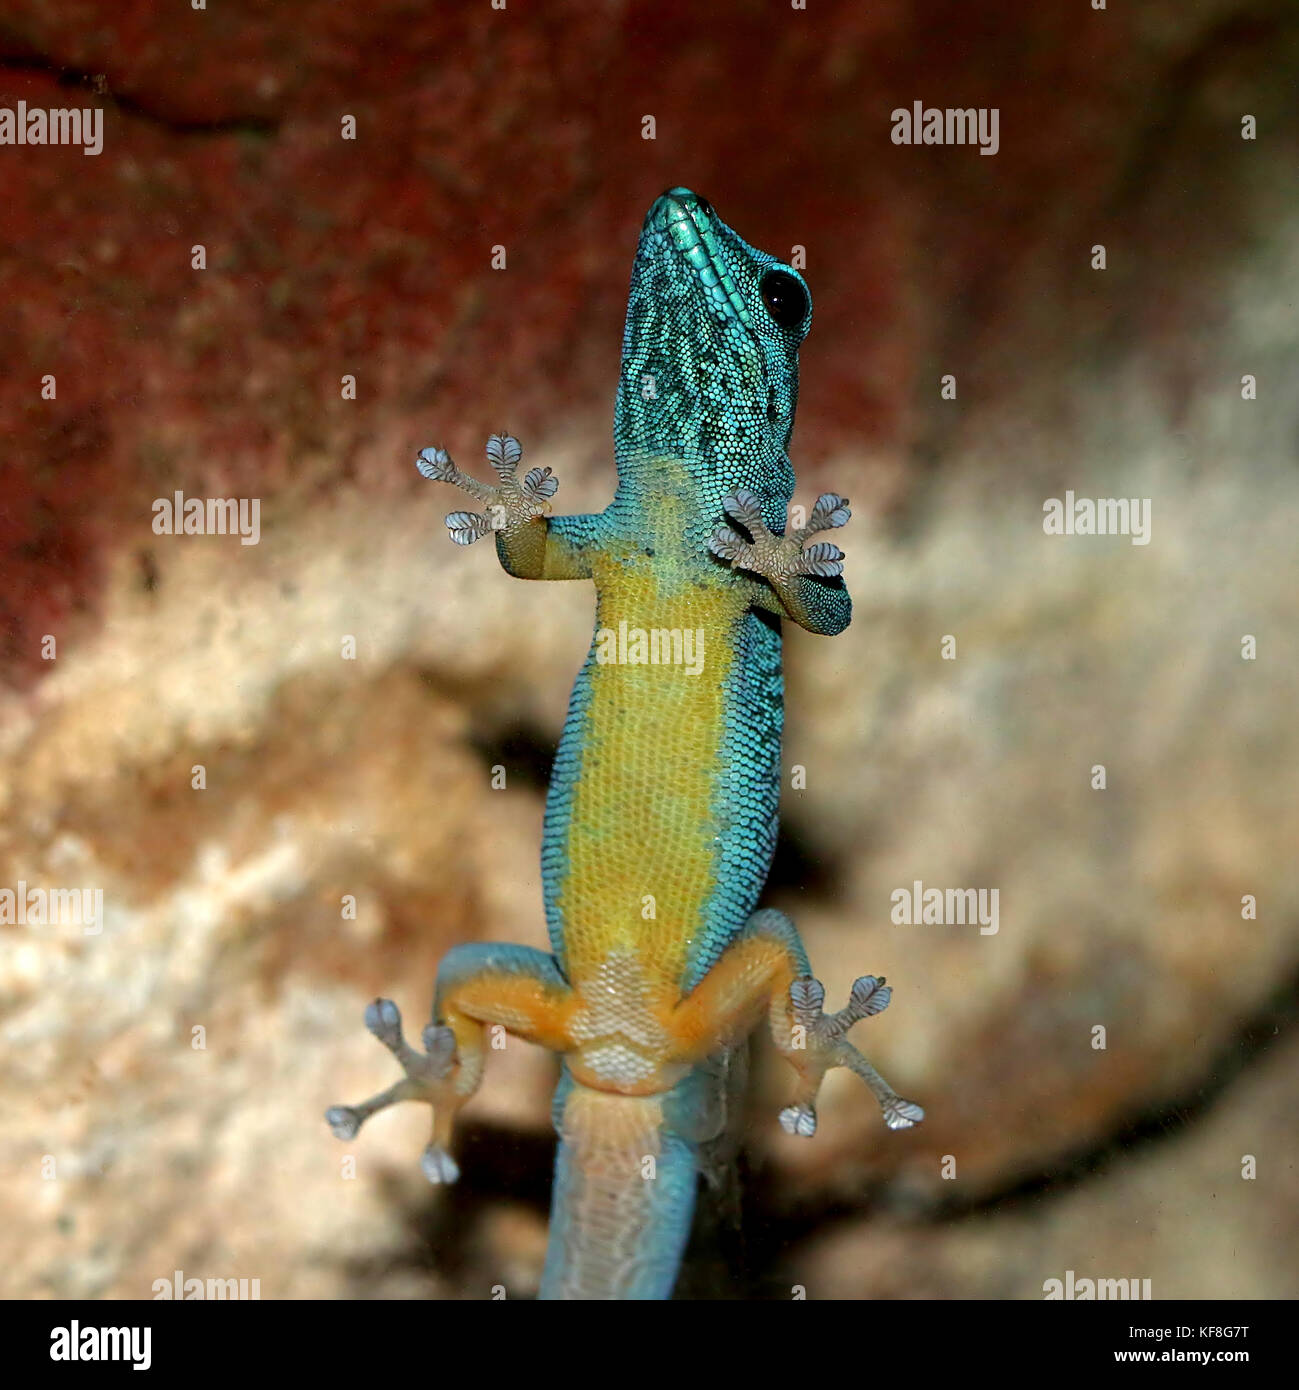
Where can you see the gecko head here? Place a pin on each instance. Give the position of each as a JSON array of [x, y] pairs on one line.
[[710, 349]]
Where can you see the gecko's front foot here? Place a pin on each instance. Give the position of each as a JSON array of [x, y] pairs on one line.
[[428, 1078], [514, 502], [818, 1041], [781, 558]]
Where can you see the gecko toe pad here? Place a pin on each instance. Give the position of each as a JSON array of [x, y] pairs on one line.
[[798, 1119]]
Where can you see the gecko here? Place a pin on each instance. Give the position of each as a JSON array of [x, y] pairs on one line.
[[661, 812]]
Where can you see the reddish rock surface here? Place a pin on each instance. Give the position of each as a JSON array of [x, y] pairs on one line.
[[328, 777]]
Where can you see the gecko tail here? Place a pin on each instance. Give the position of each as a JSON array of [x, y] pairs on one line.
[[623, 1198]]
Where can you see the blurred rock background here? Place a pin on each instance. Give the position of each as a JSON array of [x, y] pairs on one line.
[[126, 1151]]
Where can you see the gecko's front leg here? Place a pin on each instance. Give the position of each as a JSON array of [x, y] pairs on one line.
[[529, 542], [798, 577]]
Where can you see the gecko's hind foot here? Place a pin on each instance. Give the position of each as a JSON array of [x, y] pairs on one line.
[[781, 558], [343, 1121], [798, 1119], [819, 1041], [513, 502], [438, 1166], [427, 1077], [902, 1114]]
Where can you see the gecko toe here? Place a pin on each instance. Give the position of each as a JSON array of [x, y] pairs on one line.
[[383, 1019], [438, 1166], [435, 465], [343, 1121], [902, 1114], [798, 1119]]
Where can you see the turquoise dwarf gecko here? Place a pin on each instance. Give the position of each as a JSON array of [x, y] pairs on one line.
[[661, 815]]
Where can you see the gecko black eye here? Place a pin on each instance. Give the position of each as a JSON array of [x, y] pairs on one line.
[[785, 298]]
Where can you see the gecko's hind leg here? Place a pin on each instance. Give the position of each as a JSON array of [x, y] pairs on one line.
[[479, 984], [765, 969], [427, 1077], [820, 1037]]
